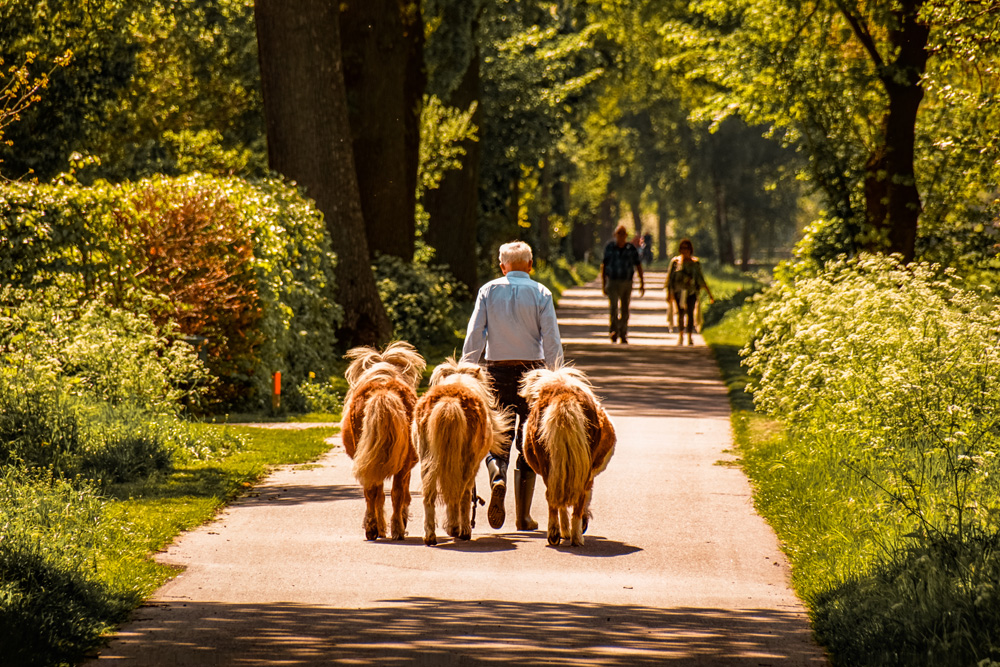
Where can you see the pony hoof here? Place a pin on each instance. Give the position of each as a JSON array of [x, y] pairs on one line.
[[430, 540], [464, 535], [453, 531], [399, 537], [554, 539], [371, 535]]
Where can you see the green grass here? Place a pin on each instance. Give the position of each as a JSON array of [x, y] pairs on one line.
[[75, 559], [875, 597]]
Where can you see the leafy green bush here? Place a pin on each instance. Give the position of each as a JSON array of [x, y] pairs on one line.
[[247, 266], [93, 389], [882, 481], [420, 301], [899, 370], [321, 397], [57, 590]]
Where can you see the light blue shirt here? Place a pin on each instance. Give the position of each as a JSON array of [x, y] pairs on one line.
[[514, 318]]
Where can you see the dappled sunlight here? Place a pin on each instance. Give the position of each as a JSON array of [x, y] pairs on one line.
[[431, 631]]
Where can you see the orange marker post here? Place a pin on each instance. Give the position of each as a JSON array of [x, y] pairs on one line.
[[276, 391]]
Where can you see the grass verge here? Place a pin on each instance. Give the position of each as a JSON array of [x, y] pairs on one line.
[[875, 597], [75, 559]]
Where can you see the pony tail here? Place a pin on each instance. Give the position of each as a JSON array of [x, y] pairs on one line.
[[447, 432], [563, 431], [385, 437]]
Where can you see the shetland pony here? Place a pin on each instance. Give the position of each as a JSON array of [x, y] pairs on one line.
[[568, 440], [378, 410], [457, 422]]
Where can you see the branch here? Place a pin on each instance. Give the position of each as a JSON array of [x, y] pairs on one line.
[[862, 33]]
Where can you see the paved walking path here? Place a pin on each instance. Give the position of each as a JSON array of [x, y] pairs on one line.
[[677, 566]]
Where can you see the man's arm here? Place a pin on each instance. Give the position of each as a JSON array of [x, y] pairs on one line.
[[548, 325], [475, 334]]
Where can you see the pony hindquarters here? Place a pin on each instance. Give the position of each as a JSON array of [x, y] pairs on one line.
[[384, 449], [563, 434], [453, 431]]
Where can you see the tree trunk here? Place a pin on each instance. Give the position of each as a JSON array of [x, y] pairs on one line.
[[382, 50], [891, 198], [453, 208], [745, 244], [661, 227], [608, 215], [724, 239], [545, 198], [309, 141], [636, 208]]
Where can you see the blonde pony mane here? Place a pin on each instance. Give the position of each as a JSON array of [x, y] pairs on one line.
[[536, 380], [402, 356]]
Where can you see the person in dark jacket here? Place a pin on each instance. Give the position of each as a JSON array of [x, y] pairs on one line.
[[621, 262]]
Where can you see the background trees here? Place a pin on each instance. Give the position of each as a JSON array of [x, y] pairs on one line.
[[309, 140], [737, 124]]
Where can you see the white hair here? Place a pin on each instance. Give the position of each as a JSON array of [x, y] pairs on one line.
[[515, 251]]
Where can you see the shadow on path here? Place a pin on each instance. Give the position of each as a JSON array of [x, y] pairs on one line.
[[428, 631]]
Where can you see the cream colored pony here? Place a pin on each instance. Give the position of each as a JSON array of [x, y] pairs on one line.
[[568, 440], [378, 411], [457, 422]]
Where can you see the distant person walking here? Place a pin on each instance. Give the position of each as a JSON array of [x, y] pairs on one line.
[[621, 261], [684, 280], [647, 248], [513, 326]]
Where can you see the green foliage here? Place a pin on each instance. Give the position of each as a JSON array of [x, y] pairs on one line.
[[931, 604], [246, 266], [421, 301], [900, 371], [94, 390], [881, 477], [443, 129], [154, 86], [58, 592], [322, 397]]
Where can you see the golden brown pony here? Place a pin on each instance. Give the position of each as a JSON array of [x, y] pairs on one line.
[[457, 422], [378, 410], [568, 440]]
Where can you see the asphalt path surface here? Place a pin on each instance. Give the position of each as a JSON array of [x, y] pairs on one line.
[[677, 566]]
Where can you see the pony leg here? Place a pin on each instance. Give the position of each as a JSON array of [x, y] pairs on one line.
[[564, 525], [580, 510], [465, 514], [372, 507], [553, 527], [450, 520], [380, 510], [400, 504], [430, 499]]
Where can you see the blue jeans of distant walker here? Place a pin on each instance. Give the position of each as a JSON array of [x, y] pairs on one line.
[[619, 295]]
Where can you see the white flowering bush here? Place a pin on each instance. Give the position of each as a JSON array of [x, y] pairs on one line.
[[894, 372]]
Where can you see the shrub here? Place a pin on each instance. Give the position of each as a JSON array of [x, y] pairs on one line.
[[901, 369], [247, 266], [321, 397], [56, 594], [887, 379], [420, 301]]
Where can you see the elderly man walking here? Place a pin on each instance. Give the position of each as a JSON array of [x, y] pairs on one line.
[[513, 326], [621, 260]]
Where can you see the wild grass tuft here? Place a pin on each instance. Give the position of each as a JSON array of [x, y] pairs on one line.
[[871, 453]]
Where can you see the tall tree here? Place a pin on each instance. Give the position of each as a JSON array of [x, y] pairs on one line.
[[787, 61], [309, 141], [452, 55], [382, 50]]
